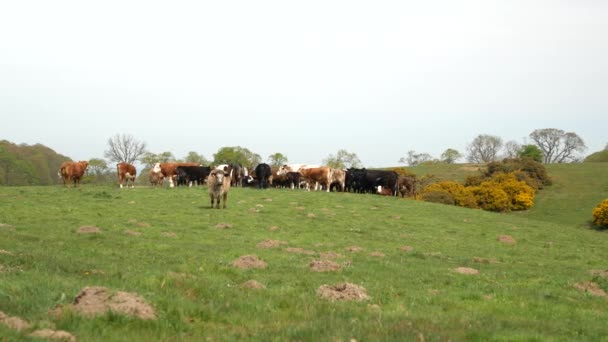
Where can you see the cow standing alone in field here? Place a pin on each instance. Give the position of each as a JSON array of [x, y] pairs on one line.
[[126, 172], [218, 184], [72, 171]]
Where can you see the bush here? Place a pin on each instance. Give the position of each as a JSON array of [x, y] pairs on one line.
[[402, 171], [461, 195], [438, 196], [600, 214], [521, 195], [490, 196], [535, 170]]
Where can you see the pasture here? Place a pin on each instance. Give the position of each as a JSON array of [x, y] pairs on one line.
[[177, 254]]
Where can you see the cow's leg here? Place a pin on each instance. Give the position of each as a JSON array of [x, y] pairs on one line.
[[212, 199], [225, 199]]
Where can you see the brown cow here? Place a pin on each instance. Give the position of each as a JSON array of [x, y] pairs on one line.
[[126, 172], [406, 186], [156, 178], [169, 170], [317, 176], [72, 171], [218, 184]]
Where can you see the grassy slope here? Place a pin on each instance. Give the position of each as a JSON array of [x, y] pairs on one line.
[[188, 278]]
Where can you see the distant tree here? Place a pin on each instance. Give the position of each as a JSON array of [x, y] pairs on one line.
[[414, 158], [342, 160], [277, 159], [558, 146], [124, 148], [236, 154], [98, 170], [484, 148], [450, 156], [532, 152], [149, 158], [194, 157], [512, 149]]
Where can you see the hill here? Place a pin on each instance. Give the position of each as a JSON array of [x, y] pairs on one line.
[[179, 256], [28, 164]]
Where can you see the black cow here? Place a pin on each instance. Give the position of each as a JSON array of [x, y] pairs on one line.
[[187, 174], [292, 180], [367, 181], [262, 173]]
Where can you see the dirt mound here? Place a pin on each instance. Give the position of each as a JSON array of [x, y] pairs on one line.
[[591, 288], [599, 273], [88, 230], [343, 291], [271, 243], [406, 248], [3, 251], [13, 322], [97, 300], [354, 249], [252, 284], [249, 261], [54, 335], [132, 232], [223, 225], [168, 234], [377, 254], [273, 228], [466, 270], [330, 255], [324, 266], [508, 239], [299, 250], [485, 260], [143, 224]]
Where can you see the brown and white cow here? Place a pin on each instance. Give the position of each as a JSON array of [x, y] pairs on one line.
[[317, 176], [218, 184], [338, 177], [169, 170], [156, 178], [126, 172], [294, 168], [72, 172]]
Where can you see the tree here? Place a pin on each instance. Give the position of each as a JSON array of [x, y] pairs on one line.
[[98, 170], [194, 157], [149, 158], [450, 156], [484, 148], [414, 158], [512, 149], [558, 146], [532, 152], [342, 160], [236, 154], [277, 159], [124, 148]]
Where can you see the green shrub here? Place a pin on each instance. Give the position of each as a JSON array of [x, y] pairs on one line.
[[600, 214], [437, 196]]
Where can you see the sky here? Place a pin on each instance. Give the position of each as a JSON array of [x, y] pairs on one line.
[[301, 78]]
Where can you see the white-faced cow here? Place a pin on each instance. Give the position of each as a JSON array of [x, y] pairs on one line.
[[72, 172], [169, 170], [126, 172], [218, 184]]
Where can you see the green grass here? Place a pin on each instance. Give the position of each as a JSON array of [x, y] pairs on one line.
[[188, 278]]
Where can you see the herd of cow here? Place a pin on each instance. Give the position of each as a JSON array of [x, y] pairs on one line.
[[220, 178]]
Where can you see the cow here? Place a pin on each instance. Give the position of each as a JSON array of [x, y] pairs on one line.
[[262, 174], [218, 184], [72, 172], [384, 191], [317, 176], [294, 168], [156, 178], [292, 180], [126, 172], [169, 170], [406, 186], [191, 174], [367, 181], [338, 178]]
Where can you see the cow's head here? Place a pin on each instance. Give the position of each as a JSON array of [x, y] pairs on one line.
[[156, 168]]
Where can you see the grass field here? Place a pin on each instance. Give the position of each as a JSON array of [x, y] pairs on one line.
[[181, 264]]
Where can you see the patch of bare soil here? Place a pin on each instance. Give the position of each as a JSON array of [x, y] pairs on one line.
[[299, 250], [324, 266], [254, 210], [253, 284], [132, 232], [54, 335], [249, 261], [354, 249], [339, 206], [330, 255], [271, 243], [485, 260], [469, 168], [2, 268], [223, 225], [406, 248], [143, 224], [599, 273], [88, 230], [343, 291], [311, 215], [591, 288], [466, 270], [5, 225], [300, 208], [273, 228], [3, 251], [259, 205], [268, 199], [168, 234], [396, 217], [13, 322], [377, 254], [507, 239], [97, 300]]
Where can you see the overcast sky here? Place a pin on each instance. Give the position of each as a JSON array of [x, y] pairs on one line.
[[303, 78]]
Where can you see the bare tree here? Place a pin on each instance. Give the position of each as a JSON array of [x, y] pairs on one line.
[[124, 148], [484, 148], [512, 149], [558, 146]]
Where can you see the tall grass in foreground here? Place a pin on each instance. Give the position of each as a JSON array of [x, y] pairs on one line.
[[181, 264]]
